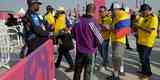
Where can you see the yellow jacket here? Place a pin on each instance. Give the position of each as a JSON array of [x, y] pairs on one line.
[[50, 19], [60, 23], [106, 20], [145, 38]]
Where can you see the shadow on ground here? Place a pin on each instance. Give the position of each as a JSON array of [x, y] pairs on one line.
[[60, 75]]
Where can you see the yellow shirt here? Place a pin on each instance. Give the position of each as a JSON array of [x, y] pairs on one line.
[[139, 21], [120, 15], [60, 23], [106, 21], [50, 19], [145, 38]]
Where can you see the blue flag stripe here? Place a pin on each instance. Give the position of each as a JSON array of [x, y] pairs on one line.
[[122, 24]]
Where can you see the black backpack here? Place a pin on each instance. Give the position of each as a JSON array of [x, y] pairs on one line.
[[67, 42]]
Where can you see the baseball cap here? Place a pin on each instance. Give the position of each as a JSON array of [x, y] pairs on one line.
[[145, 7], [35, 1]]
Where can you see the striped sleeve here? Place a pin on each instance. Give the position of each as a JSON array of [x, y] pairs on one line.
[[96, 32]]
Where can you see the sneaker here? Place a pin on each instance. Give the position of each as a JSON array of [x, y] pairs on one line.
[[106, 68], [71, 69], [144, 77]]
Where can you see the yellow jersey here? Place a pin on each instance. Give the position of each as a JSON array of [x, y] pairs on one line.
[[145, 38], [60, 23], [106, 20], [50, 19]]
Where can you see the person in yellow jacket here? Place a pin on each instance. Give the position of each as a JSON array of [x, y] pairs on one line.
[[118, 43], [49, 18], [105, 22], [60, 20], [147, 33]]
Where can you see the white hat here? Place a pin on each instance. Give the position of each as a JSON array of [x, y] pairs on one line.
[[61, 9], [127, 9], [116, 5]]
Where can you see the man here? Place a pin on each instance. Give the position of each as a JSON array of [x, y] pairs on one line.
[[34, 29], [49, 18], [105, 22], [64, 39], [147, 33], [60, 20], [65, 45], [120, 29], [86, 43], [11, 21]]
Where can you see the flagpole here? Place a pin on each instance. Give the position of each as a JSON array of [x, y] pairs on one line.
[[136, 3]]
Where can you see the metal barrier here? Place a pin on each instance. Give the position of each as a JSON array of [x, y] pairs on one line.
[[10, 43]]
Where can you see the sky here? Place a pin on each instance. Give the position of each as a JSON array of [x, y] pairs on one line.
[[14, 5]]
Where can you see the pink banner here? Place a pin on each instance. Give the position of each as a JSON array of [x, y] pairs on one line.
[[3, 15], [37, 66], [99, 3]]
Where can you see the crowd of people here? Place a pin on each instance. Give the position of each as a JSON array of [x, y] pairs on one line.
[[113, 25]]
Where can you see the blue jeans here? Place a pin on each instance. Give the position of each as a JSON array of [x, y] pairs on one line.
[[103, 49], [144, 55]]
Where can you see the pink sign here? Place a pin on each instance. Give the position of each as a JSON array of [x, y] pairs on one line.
[[99, 3], [37, 66]]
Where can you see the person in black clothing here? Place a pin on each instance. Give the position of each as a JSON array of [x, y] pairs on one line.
[[11, 21], [34, 28], [65, 44]]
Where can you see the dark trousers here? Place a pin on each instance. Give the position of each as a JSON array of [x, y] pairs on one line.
[[65, 53], [31, 45], [144, 55], [103, 49], [83, 61]]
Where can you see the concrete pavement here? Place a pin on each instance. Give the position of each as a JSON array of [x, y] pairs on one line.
[[131, 66]]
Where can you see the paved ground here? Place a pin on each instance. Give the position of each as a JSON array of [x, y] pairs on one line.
[[131, 65]]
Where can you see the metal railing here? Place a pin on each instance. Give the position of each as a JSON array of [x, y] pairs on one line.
[[10, 43]]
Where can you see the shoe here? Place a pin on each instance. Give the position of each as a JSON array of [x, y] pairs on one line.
[[144, 74], [113, 78], [145, 77], [71, 69], [106, 68]]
